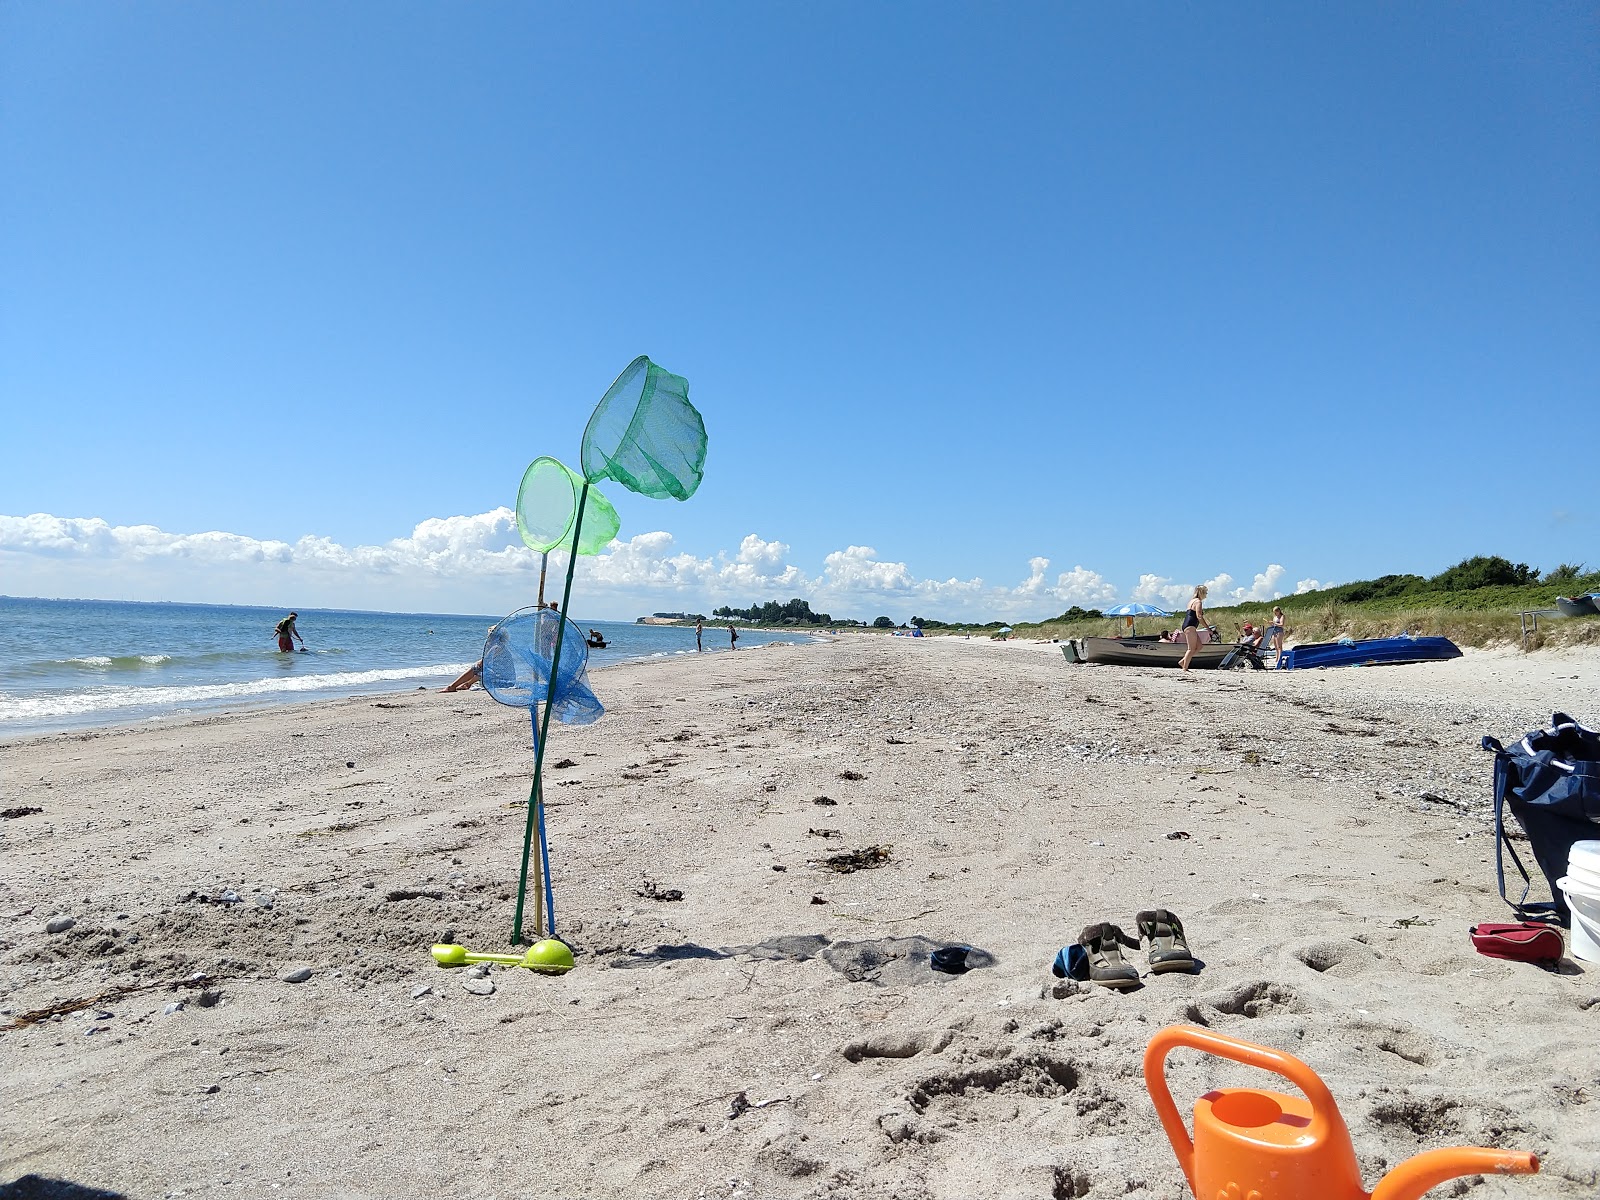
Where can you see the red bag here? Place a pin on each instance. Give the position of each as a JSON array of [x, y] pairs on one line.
[[1520, 941]]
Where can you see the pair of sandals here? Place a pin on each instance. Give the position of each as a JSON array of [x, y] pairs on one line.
[[1159, 930]]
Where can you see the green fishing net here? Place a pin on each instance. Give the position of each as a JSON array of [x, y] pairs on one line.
[[646, 435], [547, 507]]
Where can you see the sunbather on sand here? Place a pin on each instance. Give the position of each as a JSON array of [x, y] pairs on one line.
[[472, 675]]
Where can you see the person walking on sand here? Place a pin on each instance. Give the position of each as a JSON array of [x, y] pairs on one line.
[[287, 634], [1194, 620], [699, 628], [733, 637]]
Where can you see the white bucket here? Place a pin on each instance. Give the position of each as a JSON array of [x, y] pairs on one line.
[[1583, 865], [1585, 905]]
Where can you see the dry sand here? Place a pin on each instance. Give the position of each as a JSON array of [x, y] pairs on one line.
[[762, 1036]]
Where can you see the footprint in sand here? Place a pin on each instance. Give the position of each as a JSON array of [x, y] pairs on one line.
[[1255, 998]]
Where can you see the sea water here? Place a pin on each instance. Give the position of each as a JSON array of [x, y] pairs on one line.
[[73, 664]]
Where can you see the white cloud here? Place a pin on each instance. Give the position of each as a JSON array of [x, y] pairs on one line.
[[1311, 585], [1158, 589], [1083, 587], [858, 568], [1264, 587], [478, 564]]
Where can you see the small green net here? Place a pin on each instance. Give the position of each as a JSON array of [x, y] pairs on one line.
[[547, 507], [646, 435]]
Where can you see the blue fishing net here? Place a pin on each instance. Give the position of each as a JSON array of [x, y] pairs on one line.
[[516, 666]]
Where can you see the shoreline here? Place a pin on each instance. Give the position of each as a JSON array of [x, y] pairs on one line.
[[111, 699], [1019, 799]]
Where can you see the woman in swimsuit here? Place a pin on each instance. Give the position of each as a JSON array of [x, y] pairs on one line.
[[1194, 620], [1275, 630]]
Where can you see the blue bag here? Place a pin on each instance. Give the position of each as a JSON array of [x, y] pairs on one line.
[[1551, 781]]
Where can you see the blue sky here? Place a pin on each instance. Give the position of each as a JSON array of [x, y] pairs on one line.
[[291, 294]]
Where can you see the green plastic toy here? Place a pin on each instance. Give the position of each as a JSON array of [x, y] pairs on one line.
[[549, 957]]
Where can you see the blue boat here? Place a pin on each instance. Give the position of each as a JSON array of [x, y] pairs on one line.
[[1372, 652]]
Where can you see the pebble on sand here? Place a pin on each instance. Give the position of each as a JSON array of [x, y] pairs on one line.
[[298, 975], [479, 987], [60, 924]]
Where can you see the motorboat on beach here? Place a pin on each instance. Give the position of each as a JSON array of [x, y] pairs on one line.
[[1153, 652], [1372, 652], [1576, 606]]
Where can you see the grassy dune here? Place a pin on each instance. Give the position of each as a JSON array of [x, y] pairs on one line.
[[1484, 617]]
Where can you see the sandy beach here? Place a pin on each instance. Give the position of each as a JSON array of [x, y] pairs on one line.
[[777, 1031]]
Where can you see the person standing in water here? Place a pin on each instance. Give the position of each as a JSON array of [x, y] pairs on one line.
[[733, 637], [287, 634], [699, 628], [1194, 620]]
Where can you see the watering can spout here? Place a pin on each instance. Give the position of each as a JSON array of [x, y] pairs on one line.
[[1416, 1175]]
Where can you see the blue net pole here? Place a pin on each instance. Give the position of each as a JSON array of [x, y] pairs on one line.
[[527, 832], [544, 854]]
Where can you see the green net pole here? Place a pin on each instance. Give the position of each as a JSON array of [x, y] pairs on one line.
[[535, 796], [534, 802]]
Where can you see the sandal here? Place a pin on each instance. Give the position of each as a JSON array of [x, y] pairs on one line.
[[1103, 943], [1163, 933]]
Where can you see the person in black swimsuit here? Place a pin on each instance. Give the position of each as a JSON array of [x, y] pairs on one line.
[[1194, 620]]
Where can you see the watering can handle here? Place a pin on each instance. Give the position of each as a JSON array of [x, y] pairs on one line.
[[1291, 1068]]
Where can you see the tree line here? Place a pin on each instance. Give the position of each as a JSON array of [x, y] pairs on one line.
[[792, 612]]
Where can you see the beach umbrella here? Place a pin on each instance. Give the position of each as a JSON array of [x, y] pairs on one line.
[[1135, 609]]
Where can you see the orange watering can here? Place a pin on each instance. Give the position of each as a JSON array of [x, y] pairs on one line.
[[1258, 1145]]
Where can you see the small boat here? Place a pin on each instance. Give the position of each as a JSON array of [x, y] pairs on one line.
[[1372, 652], [1576, 606], [1152, 652]]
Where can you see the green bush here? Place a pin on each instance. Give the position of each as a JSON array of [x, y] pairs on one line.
[[1483, 571]]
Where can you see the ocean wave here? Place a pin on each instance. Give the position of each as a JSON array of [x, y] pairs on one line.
[[101, 663], [105, 662], [105, 700]]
